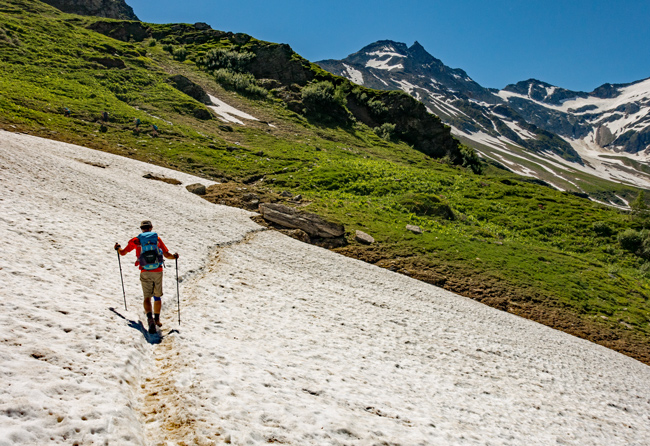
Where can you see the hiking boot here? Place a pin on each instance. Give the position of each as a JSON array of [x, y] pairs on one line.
[[157, 321], [152, 325]]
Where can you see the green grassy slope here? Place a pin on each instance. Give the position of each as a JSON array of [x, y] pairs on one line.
[[521, 247]]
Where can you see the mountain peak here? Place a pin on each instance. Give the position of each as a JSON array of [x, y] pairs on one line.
[[384, 46], [416, 46]]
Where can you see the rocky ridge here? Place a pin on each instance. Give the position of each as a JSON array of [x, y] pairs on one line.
[[547, 125], [111, 9]]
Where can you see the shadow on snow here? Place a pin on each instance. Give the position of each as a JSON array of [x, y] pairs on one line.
[[155, 338]]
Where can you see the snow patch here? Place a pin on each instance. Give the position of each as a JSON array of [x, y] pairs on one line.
[[353, 74], [383, 65], [229, 113]]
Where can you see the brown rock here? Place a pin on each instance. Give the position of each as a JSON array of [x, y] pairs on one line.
[[414, 229], [196, 188], [312, 224], [364, 238]]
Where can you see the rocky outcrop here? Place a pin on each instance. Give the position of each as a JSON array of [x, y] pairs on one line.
[[190, 88], [124, 31], [111, 9], [279, 63], [312, 224], [604, 136], [418, 127]]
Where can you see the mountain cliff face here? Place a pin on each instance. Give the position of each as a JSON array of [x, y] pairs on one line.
[[613, 117], [449, 93], [112, 9], [605, 133]]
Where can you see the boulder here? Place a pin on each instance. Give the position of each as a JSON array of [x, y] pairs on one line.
[[414, 229], [364, 238], [312, 224], [196, 188]]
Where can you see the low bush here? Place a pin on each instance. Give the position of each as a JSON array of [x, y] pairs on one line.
[[602, 229], [471, 159], [324, 101], [220, 58], [242, 82], [426, 205], [180, 54], [386, 131], [631, 240]]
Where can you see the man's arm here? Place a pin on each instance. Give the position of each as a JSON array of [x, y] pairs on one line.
[[165, 251], [129, 247]]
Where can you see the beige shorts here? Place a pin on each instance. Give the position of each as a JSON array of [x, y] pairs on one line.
[[151, 284]]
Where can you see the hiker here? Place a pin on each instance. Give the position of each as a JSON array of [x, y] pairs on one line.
[[66, 112], [154, 130], [149, 250], [105, 116], [136, 121]]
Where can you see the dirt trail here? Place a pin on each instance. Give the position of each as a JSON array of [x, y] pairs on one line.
[[169, 392], [172, 388]]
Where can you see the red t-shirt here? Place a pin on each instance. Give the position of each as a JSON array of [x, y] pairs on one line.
[[134, 243]]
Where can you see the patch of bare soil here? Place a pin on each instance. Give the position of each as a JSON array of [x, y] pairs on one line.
[[173, 181], [168, 410], [94, 164]]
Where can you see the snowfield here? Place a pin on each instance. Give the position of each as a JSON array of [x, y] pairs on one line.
[[279, 342]]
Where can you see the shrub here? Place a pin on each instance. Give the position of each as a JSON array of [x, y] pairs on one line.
[[322, 100], [169, 48], [426, 205], [377, 107], [318, 93], [153, 42], [631, 240], [242, 82], [470, 159], [220, 58], [644, 270], [386, 131], [180, 54], [602, 229]]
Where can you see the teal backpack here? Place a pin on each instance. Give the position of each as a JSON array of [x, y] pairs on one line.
[[151, 256]]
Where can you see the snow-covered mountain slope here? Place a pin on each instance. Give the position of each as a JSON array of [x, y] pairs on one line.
[[533, 128], [615, 117], [280, 341]]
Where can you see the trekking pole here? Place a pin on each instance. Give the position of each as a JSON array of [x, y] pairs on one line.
[[178, 294], [121, 278]]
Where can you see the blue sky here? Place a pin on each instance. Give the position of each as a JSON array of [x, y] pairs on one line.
[[575, 44]]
